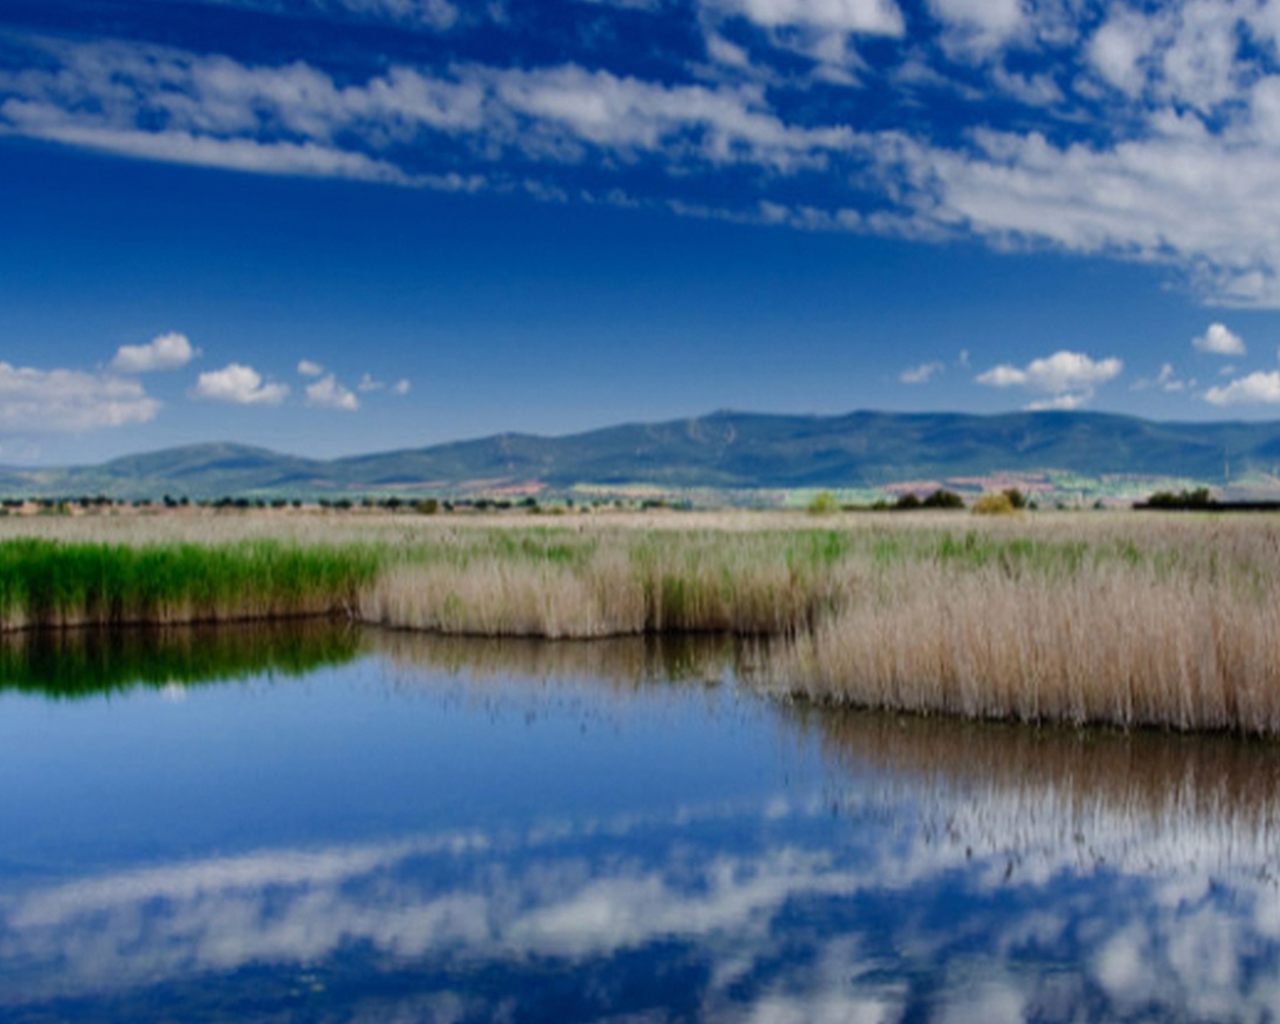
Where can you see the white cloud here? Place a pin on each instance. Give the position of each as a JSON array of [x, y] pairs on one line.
[[367, 383], [309, 369], [436, 15], [1259, 388], [722, 125], [1068, 378], [327, 393], [1119, 47], [70, 401], [400, 387], [166, 352], [218, 112], [1219, 341], [1033, 90], [1063, 371], [1166, 380], [1166, 148], [238, 384], [720, 50], [875, 17], [821, 30], [1071, 400], [920, 374], [979, 24]]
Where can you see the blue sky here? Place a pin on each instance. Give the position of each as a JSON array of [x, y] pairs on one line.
[[333, 226]]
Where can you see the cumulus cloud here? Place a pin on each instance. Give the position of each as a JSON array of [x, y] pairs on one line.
[[920, 374], [1061, 372], [367, 383], [166, 352], [400, 387], [1219, 341], [1259, 388], [327, 393], [309, 369], [1068, 378], [238, 384], [70, 401]]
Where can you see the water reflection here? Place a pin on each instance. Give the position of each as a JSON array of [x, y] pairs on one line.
[[78, 663], [924, 870]]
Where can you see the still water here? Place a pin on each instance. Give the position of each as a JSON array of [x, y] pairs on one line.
[[334, 826]]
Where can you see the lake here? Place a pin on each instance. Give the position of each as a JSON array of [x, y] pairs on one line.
[[317, 824]]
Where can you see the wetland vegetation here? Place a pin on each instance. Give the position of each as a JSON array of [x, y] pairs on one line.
[[1128, 620]]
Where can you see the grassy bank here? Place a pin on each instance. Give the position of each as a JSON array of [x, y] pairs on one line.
[[1122, 619]]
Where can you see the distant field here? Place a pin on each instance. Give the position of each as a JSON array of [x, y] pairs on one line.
[[1126, 619]]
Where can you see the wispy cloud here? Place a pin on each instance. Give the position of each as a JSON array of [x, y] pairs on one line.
[[921, 374], [1140, 132], [1166, 380], [434, 15]]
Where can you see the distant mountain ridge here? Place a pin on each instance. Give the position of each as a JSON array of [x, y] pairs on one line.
[[724, 450]]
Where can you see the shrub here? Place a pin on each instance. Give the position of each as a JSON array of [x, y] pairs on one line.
[[1199, 498], [1016, 498], [944, 499], [908, 502], [427, 507], [823, 504], [994, 505]]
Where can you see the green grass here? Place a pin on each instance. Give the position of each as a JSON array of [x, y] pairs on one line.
[[48, 583]]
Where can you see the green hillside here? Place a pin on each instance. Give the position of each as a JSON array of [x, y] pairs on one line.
[[725, 450]]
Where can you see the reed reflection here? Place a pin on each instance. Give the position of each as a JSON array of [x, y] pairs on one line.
[[971, 872], [81, 663]]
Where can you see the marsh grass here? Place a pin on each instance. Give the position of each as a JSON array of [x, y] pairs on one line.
[[1128, 620], [45, 583]]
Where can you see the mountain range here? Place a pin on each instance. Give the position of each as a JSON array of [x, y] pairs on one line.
[[724, 450]]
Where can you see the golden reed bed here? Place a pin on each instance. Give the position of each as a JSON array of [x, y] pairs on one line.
[[1119, 618]]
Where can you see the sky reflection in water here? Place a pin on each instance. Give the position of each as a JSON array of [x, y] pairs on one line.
[[399, 829]]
